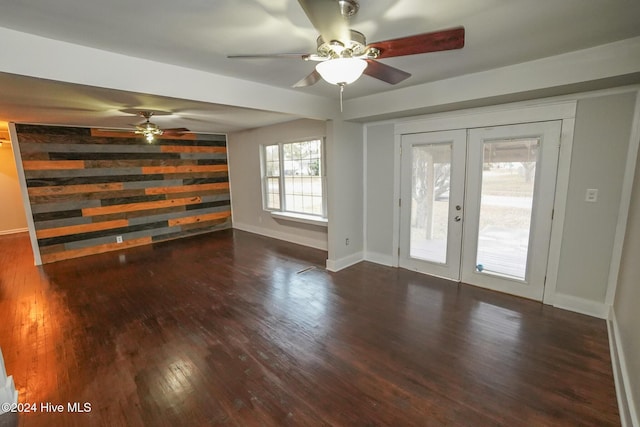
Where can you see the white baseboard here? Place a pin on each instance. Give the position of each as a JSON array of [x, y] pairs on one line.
[[13, 231], [627, 409], [287, 237], [581, 305], [379, 258], [8, 392], [342, 263]]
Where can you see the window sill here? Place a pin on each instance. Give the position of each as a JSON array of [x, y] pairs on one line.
[[305, 219]]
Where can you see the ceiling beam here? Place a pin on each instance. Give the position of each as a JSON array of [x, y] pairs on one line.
[[609, 65], [35, 56]]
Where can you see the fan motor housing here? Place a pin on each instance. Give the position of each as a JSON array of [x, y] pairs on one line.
[[357, 46]]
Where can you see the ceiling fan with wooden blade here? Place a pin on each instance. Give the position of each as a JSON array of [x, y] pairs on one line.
[[149, 129], [343, 54]]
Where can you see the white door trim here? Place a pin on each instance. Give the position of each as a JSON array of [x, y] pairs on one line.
[[489, 116], [559, 208]]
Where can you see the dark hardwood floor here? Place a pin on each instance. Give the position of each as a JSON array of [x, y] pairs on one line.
[[236, 329]]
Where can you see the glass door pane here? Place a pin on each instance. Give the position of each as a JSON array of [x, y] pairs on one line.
[[431, 178], [506, 201], [432, 192]]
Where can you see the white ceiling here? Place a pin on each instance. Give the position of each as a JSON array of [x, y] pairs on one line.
[[30, 100], [200, 34]]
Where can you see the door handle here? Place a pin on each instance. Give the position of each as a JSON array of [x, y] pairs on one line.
[[457, 218]]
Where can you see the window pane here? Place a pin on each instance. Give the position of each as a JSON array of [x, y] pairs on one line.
[[431, 176], [303, 182], [272, 160], [273, 193], [508, 177]]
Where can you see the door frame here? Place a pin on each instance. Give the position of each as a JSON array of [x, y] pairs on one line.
[[501, 115]]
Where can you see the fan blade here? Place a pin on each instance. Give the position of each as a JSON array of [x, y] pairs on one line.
[[272, 55], [311, 79], [174, 131], [115, 130], [326, 17], [385, 72], [421, 43]]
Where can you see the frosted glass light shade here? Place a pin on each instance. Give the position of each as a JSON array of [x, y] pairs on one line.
[[341, 71]]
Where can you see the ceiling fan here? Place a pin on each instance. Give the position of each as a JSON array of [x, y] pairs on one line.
[[149, 129], [343, 55]]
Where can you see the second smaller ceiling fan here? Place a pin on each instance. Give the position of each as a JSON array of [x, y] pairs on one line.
[[148, 129], [151, 130]]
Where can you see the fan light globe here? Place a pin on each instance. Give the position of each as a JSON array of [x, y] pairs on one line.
[[149, 137], [341, 71]]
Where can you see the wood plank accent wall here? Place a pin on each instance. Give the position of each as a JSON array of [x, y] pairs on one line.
[[86, 187]]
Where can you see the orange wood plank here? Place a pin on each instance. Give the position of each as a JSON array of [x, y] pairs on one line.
[[187, 188], [130, 207], [191, 149], [52, 164], [73, 189], [82, 228], [92, 250], [185, 169], [199, 218]]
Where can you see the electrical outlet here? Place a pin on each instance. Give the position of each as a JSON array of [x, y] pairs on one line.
[[118, 239], [592, 195], [346, 241]]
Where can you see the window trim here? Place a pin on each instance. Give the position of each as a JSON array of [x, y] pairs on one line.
[[282, 212]]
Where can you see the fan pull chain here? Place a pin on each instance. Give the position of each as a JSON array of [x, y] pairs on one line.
[[341, 92]]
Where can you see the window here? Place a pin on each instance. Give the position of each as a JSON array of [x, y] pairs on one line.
[[293, 177]]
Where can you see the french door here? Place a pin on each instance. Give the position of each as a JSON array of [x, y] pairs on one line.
[[476, 205]]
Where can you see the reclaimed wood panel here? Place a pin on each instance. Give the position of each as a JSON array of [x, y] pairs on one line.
[[87, 187], [185, 188], [185, 169], [99, 249], [199, 218], [52, 164], [129, 207], [137, 163], [191, 149], [211, 223], [83, 228], [73, 189], [53, 198]]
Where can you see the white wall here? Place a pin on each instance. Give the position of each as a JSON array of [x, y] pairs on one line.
[[12, 216], [598, 159], [625, 307], [345, 193], [246, 187], [379, 178], [344, 168]]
